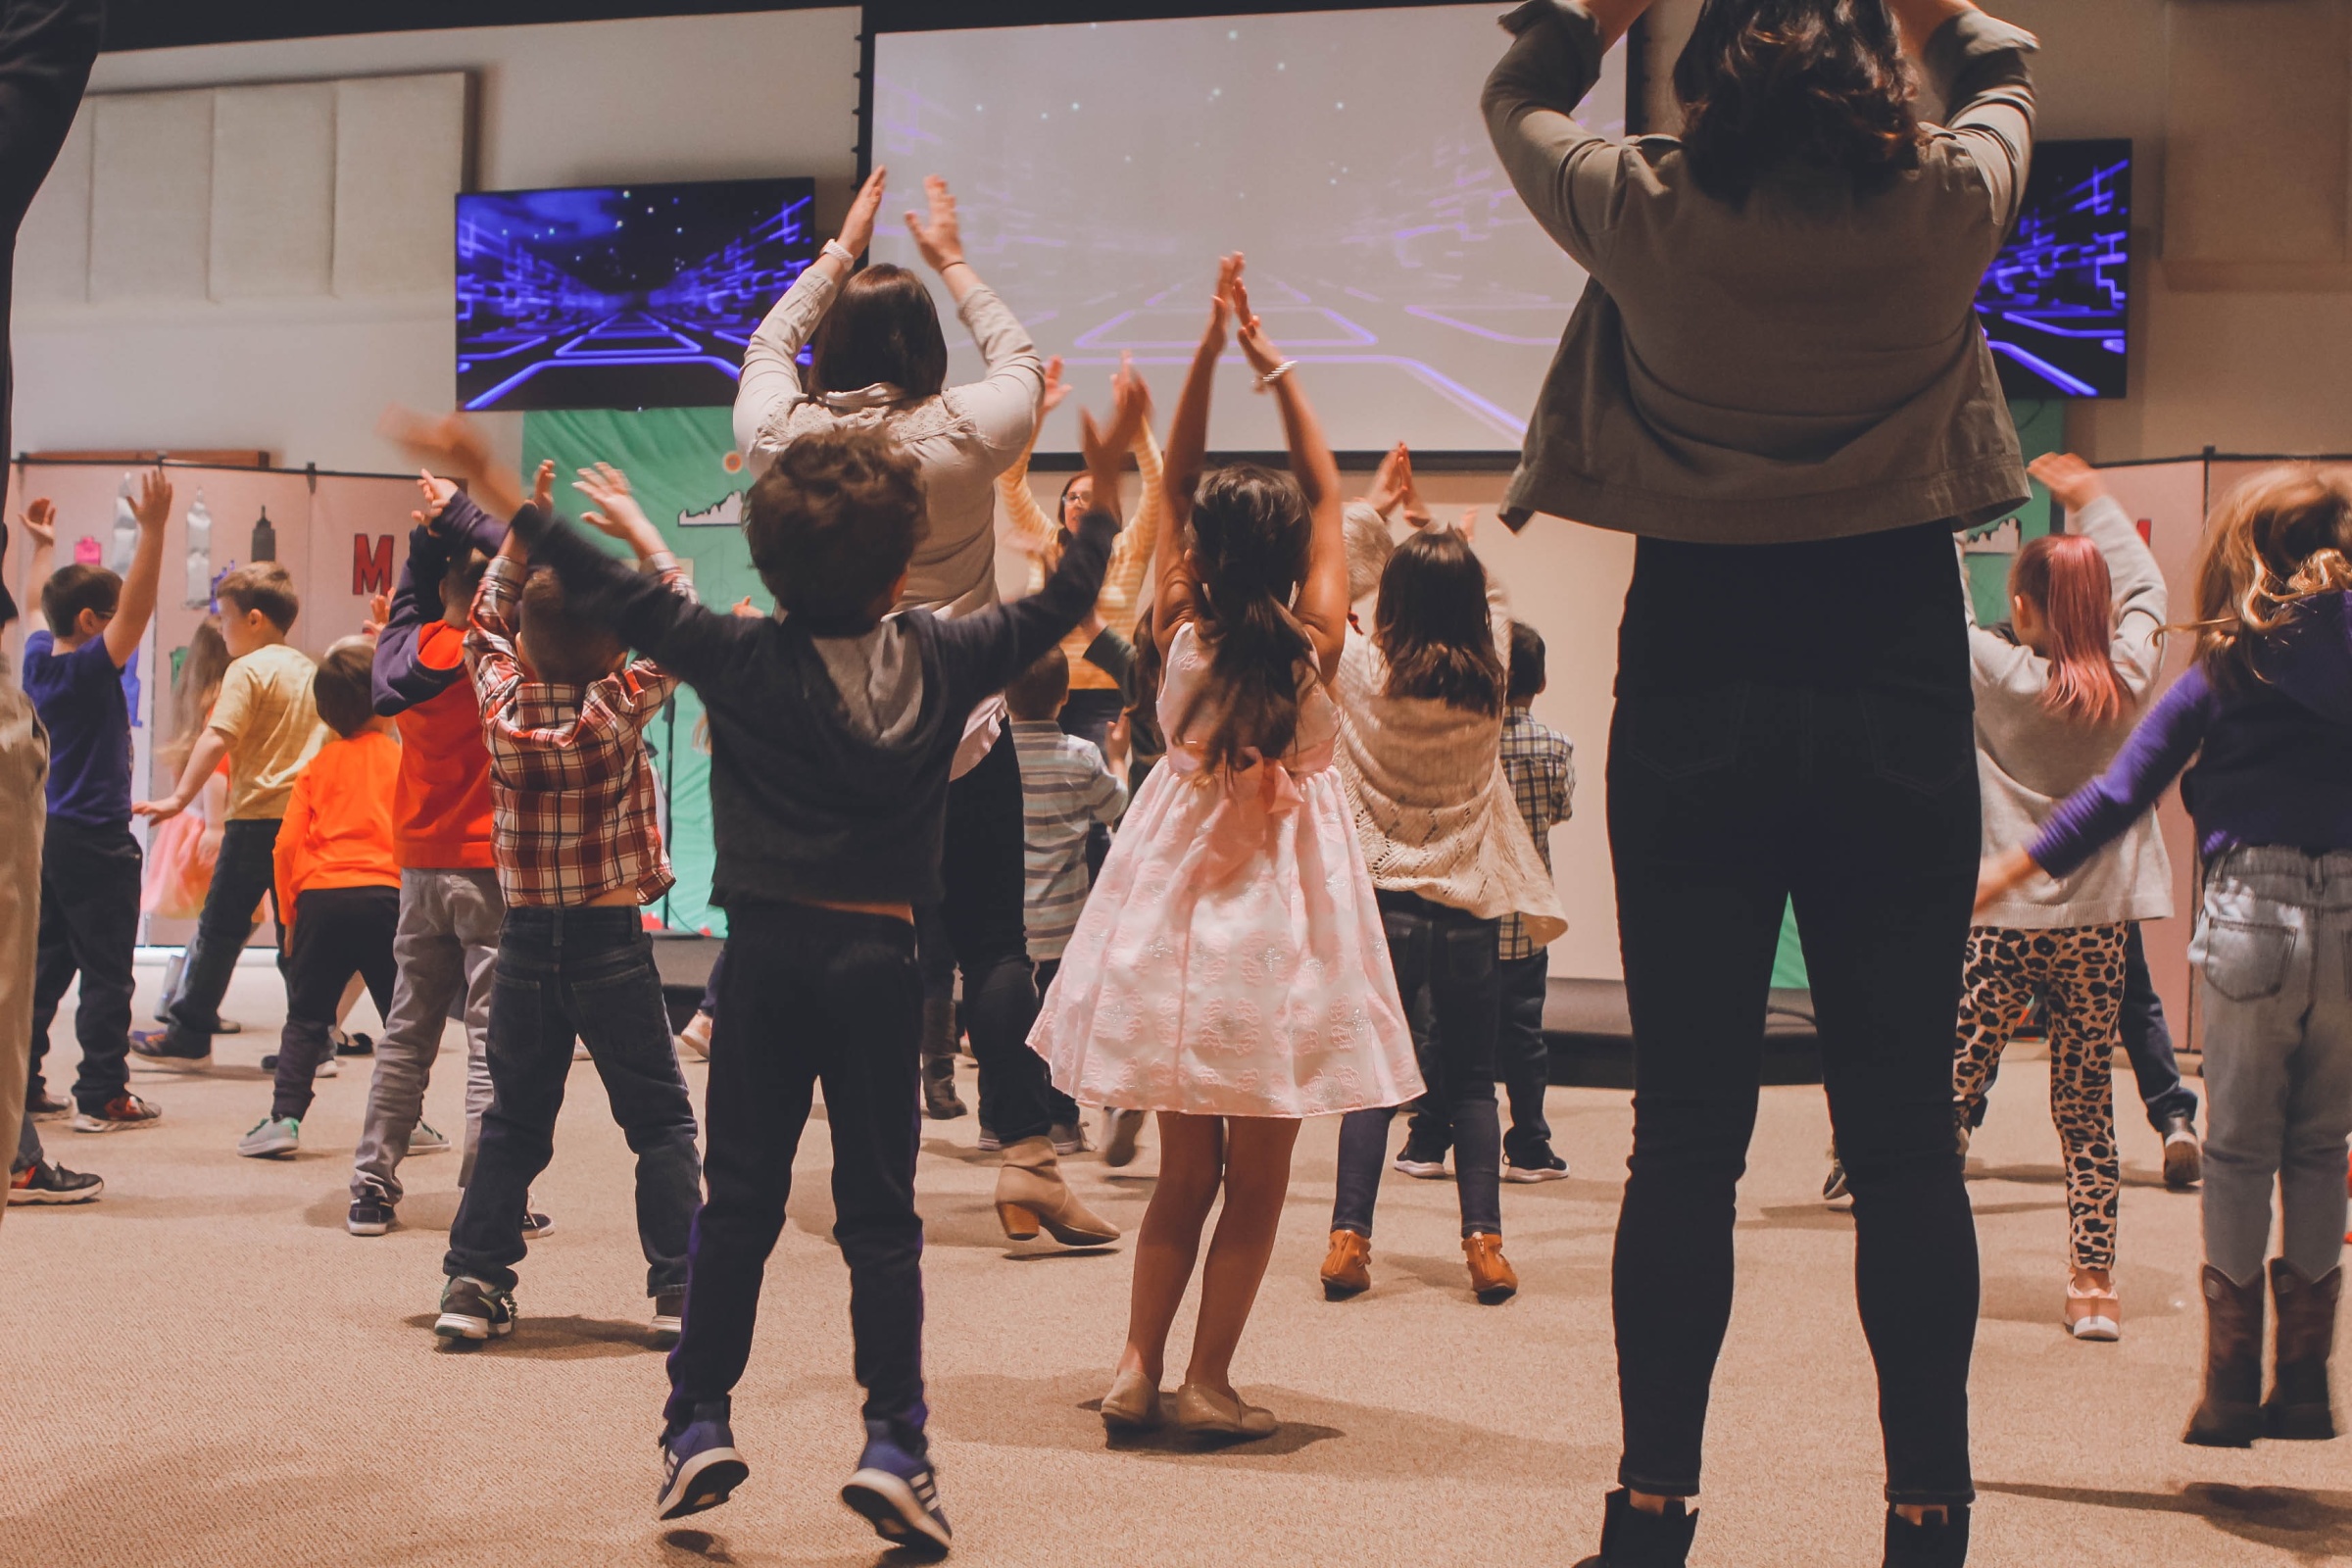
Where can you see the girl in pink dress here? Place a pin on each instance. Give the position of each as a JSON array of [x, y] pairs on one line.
[[1230, 970]]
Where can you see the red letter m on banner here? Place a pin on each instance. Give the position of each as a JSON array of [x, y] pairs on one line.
[[370, 568]]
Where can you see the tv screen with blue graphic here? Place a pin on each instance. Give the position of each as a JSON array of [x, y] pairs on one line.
[[623, 296], [2053, 302]]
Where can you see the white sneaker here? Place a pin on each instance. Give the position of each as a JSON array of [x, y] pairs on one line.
[[427, 1139], [694, 1039]]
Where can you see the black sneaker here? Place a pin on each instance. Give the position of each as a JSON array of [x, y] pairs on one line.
[[44, 1183], [1833, 1186], [46, 1107], [325, 1070], [669, 1317], [536, 1224], [700, 1466], [370, 1216], [1423, 1161], [354, 1045], [1542, 1166], [473, 1310]]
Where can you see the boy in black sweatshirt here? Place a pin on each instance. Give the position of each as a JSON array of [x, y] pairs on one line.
[[832, 725]]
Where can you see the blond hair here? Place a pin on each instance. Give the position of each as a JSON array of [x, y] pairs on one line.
[[2276, 539]]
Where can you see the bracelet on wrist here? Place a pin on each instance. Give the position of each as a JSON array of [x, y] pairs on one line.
[[841, 253], [1268, 379]]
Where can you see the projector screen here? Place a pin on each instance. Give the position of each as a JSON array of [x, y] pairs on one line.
[[1101, 168]]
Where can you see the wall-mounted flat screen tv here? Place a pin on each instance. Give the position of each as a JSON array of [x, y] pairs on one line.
[[2053, 302], [621, 296]]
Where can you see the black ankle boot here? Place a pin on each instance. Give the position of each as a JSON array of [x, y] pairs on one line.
[[2230, 1415], [2299, 1405], [1632, 1537], [1931, 1543]]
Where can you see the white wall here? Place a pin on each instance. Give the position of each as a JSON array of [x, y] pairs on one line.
[[579, 104]]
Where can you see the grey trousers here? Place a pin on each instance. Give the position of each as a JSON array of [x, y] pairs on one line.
[[2275, 946], [447, 948], [24, 817]]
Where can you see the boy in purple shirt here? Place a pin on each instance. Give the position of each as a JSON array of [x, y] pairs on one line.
[[92, 621]]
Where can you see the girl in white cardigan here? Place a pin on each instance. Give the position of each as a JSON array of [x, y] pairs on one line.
[[1421, 709]]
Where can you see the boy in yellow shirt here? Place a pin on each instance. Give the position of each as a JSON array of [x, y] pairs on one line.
[[265, 722]]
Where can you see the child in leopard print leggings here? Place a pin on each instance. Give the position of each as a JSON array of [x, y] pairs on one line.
[[2057, 690]]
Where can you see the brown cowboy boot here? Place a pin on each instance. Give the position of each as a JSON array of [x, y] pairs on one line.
[[2299, 1405], [2230, 1416]]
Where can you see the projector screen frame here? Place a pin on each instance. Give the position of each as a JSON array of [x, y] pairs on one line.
[[957, 16]]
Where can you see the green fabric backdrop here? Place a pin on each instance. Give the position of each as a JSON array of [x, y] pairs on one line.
[[683, 465]]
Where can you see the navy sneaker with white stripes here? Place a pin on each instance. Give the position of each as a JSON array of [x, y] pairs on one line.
[[895, 1490], [700, 1466]]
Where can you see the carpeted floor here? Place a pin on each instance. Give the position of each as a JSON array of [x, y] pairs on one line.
[[203, 1368]]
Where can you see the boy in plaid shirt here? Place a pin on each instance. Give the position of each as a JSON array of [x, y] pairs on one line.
[[577, 845]]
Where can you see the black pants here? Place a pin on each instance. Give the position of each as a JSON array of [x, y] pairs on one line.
[[89, 925], [1522, 1068], [245, 873], [2148, 1041], [337, 933], [812, 995], [1794, 721], [984, 921], [585, 974], [1450, 954]]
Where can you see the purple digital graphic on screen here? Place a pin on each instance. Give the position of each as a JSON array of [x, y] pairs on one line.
[[1100, 169], [622, 297], [2053, 304]]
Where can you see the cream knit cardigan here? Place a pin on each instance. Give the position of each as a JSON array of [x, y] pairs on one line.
[[1433, 809]]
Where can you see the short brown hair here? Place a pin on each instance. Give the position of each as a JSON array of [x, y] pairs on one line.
[[1038, 692], [461, 580], [832, 524], [340, 687], [70, 590], [883, 326], [566, 647], [266, 586]]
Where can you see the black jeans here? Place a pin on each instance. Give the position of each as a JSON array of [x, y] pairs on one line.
[[1450, 953], [1522, 1067], [337, 933], [587, 974], [983, 921], [812, 995], [1794, 721], [89, 923], [246, 871], [2149, 1043]]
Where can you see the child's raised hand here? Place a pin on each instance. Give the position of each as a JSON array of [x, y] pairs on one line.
[[618, 514], [857, 227], [1056, 388], [153, 508], [1388, 480], [938, 235], [379, 610], [1106, 448], [1118, 742], [1259, 350], [543, 486], [39, 518], [437, 493], [743, 608], [2076, 483], [1220, 304], [448, 442]]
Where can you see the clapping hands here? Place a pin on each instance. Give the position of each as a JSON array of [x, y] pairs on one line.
[[1106, 448]]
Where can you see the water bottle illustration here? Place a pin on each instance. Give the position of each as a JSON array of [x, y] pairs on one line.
[[198, 589], [126, 531], [265, 538]]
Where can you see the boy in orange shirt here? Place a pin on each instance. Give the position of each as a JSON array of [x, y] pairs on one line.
[[339, 888]]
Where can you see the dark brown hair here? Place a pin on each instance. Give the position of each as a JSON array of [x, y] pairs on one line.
[[1249, 533], [831, 525], [1527, 661], [566, 648], [461, 580], [340, 687], [883, 327], [1819, 82], [72, 589], [2066, 577], [2279, 538], [1433, 625], [262, 585], [1038, 692]]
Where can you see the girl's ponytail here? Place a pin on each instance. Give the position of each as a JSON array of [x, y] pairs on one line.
[[1249, 530], [2066, 577]]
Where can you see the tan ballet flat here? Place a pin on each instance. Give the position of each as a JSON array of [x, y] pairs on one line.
[[1202, 1412], [1133, 1402], [1031, 1194]]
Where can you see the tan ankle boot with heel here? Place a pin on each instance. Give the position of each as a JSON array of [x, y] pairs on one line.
[[1031, 1194]]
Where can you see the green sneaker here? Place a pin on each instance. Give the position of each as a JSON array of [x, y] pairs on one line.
[[272, 1138]]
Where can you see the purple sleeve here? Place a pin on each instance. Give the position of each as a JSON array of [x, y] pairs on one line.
[[398, 680], [2161, 745]]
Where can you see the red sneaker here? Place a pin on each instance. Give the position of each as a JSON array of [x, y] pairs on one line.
[[124, 1110]]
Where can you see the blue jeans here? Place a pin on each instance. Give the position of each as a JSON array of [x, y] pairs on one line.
[[2148, 1041], [2273, 946], [1522, 1067], [246, 870], [584, 973], [1451, 953], [813, 996]]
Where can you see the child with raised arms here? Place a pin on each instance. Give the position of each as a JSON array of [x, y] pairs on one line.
[[1228, 971]]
